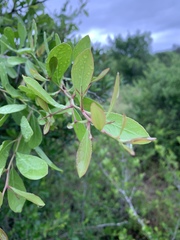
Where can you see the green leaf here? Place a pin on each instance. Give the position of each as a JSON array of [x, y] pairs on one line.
[[3, 235], [34, 33], [97, 116], [84, 153], [79, 128], [63, 54], [125, 130], [44, 157], [9, 33], [36, 75], [13, 61], [115, 94], [101, 75], [3, 118], [57, 39], [26, 129], [31, 167], [1, 201], [3, 75], [86, 102], [12, 108], [40, 92], [82, 71], [53, 63], [22, 32], [36, 138], [12, 91], [83, 44], [29, 196], [4, 153], [15, 202]]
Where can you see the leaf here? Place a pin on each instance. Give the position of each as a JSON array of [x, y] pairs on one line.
[[15, 202], [63, 54], [36, 75], [36, 138], [34, 34], [44, 157], [3, 75], [79, 128], [31, 167], [4, 153], [3, 235], [83, 44], [97, 116], [29, 196], [101, 75], [22, 32], [57, 39], [3, 118], [84, 153], [86, 102], [9, 33], [82, 71], [53, 65], [115, 94], [40, 92], [1, 201], [13, 61], [12, 108], [26, 129], [125, 133]]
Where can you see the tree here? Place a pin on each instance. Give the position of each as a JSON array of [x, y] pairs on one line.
[[33, 104], [131, 55]]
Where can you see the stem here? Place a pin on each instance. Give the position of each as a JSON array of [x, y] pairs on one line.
[[10, 164]]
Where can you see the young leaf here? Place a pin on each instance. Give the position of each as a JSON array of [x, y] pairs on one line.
[[15, 202], [40, 92], [12, 108], [131, 130], [4, 153], [57, 39], [101, 75], [31, 167], [97, 116], [83, 44], [62, 53], [29, 196], [82, 71], [36, 138], [115, 93], [79, 128], [84, 153], [26, 129], [44, 157]]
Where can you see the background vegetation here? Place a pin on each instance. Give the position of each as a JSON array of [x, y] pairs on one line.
[[121, 197]]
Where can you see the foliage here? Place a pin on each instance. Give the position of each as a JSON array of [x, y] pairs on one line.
[[40, 99], [130, 55]]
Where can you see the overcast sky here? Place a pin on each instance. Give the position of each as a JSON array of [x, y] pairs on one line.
[[113, 17]]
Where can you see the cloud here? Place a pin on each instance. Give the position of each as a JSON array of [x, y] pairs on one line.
[[115, 17]]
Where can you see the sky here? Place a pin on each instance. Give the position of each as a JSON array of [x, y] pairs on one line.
[[113, 17]]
